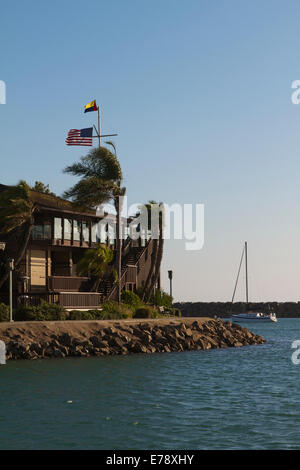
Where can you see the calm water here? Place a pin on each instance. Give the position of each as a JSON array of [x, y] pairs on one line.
[[240, 398]]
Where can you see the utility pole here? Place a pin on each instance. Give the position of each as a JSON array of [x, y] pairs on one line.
[[11, 268]]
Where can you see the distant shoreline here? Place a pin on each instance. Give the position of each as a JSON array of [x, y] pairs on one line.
[[223, 309]]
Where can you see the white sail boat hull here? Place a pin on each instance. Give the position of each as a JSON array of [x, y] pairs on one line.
[[244, 317]]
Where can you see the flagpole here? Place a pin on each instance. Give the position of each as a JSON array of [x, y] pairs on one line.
[[99, 125]]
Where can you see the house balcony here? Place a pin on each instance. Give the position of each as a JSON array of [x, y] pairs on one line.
[[69, 284], [68, 300]]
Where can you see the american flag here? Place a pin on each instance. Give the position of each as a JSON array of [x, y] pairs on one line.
[[80, 137]]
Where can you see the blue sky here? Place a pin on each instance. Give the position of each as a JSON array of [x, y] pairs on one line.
[[200, 95]]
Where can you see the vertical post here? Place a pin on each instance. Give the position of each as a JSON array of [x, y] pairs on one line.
[[170, 274], [99, 134], [118, 204], [11, 268], [246, 263]]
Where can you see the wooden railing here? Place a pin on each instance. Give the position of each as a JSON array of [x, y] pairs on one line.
[[69, 283], [86, 300], [129, 271], [80, 299]]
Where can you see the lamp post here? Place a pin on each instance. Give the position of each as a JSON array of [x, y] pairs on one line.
[[11, 268], [170, 275]]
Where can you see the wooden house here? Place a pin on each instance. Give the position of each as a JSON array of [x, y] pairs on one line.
[[59, 238]]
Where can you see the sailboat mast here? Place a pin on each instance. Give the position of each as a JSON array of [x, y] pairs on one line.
[[246, 263]]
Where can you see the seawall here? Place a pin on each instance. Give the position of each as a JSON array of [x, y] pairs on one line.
[[34, 340]]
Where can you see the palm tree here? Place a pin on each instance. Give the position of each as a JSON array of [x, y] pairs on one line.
[[16, 215], [157, 251], [96, 263], [100, 171], [160, 252], [101, 178]]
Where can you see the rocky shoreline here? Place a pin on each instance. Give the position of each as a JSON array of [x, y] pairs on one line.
[[36, 340]]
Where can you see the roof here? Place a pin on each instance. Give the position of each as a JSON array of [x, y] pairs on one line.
[[56, 203], [49, 201]]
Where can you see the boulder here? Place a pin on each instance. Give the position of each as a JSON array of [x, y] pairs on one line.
[[65, 339]]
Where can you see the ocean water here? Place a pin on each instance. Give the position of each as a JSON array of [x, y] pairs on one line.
[[237, 398]]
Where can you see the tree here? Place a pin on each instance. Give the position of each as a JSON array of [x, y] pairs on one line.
[[101, 179], [42, 188], [100, 171], [146, 289], [95, 262], [158, 249], [17, 216]]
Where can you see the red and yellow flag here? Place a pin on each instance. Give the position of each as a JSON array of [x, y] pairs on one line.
[[91, 107]]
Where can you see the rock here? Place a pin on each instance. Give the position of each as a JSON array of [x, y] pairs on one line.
[[137, 348], [65, 339], [110, 330], [127, 329], [98, 342], [36, 348], [104, 351], [117, 342], [147, 338], [196, 336], [58, 353], [49, 351]]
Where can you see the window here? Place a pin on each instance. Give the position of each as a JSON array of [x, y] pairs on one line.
[[57, 227], [85, 232], [76, 230], [47, 230], [95, 238], [41, 231], [111, 234], [67, 229], [38, 232]]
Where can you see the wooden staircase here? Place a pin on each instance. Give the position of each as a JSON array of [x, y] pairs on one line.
[[131, 257]]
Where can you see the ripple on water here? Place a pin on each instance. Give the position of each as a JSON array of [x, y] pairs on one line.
[[239, 398]]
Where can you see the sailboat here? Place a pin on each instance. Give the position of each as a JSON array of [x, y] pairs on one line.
[[249, 316]]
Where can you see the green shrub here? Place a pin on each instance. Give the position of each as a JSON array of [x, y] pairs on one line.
[[162, 299], [52, 311], [145, 312], [4, 312], [81, 315], [130, 298], [43, 312], [112, 310], [140, 291], [177, 312], [27, 313]]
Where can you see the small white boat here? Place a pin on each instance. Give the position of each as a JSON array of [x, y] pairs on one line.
[[254, 316], [249, 316]]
